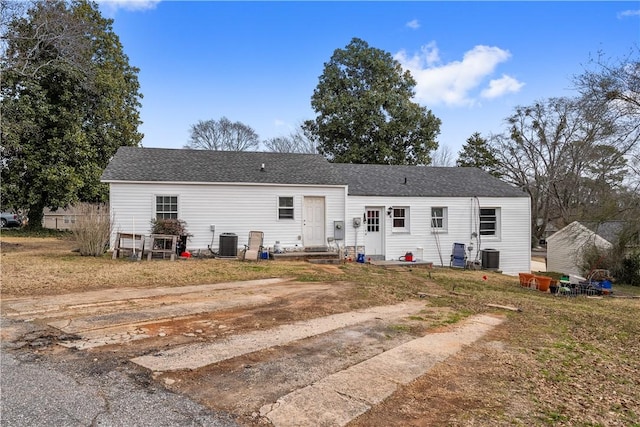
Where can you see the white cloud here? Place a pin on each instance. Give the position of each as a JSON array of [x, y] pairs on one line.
[[131, 5], [626, 13], [428, 56], [453, 83], [502, 86], [414, 24]]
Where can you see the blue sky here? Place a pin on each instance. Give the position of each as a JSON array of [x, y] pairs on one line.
[[259, 62]]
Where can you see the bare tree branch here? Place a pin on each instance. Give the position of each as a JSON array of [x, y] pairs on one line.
[[222, 135], [443, 156], [33, 41], [296, 142], [569, 156]]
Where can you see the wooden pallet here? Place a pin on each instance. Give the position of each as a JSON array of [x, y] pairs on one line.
[[129, 244], [162, 245]]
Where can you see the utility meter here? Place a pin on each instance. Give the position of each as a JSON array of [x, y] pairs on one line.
[[357, 222], [338, 230]]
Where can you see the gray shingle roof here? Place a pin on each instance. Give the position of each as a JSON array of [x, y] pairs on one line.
[[608, 230], [182, 165], [424, 181]]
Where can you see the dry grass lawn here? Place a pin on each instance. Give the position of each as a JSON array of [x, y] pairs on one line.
[[42, 266], [560, 361]]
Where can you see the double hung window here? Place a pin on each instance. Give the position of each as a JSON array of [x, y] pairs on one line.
[[166, 207], [285, 207], [439, 219], [400, 219], [489, 221]]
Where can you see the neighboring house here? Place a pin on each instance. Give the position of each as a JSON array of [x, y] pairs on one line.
[[566, 248], [60, 219], [549, 230], [301, 200]]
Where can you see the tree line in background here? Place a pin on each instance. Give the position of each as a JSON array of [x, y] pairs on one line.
[[70, 98], [577, 158], [226, 135]]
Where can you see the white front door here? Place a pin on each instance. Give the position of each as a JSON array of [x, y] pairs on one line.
[[313, 223], [373, 231]]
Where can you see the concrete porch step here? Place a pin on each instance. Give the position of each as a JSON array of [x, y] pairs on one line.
[[306, 256], [316, 249]]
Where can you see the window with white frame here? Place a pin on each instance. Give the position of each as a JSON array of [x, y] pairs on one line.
[[285, 207], [400, 219], [489, 221], [439, 219], [166, 207]]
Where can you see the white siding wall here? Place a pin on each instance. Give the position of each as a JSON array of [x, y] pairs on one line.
[[231, 208], [513, 242]]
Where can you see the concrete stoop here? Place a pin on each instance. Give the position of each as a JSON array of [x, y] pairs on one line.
[[307, 256]]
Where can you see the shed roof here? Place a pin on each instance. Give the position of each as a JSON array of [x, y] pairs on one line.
[[424, 181], [610, 231], [184, 165]]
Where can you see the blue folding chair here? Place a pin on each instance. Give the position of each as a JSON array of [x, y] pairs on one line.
[[458, 256]]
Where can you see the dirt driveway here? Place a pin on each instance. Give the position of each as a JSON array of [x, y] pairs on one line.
[[269, 352]]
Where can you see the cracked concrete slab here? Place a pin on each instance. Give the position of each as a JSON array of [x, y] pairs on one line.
[[138, 317], [194, 356], [16, 307], [343, 396]]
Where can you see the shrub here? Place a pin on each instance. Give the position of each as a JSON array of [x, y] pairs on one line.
[[629, 270], [594, 257], [92, 228], [173, 227]]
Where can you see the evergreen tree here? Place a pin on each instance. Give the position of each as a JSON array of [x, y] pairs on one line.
[[477, 153], [69, 100], [365, 113]]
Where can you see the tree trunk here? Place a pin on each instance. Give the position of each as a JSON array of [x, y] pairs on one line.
[[36, 213]]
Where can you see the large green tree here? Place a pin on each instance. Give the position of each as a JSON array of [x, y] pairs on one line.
[[365, 113], [69, 100], [478, 153]]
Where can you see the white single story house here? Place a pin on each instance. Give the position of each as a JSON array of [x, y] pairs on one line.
[[302, 200], [566, 247]]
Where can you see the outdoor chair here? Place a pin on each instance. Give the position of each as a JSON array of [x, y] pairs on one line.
[[253, 249], [458, 256]]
